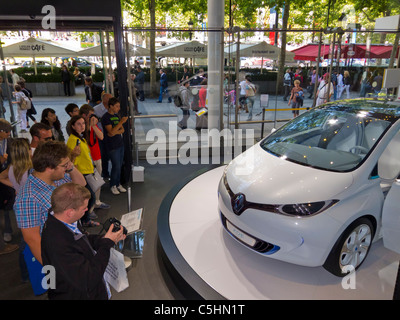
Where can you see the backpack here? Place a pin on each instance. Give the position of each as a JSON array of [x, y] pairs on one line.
[[25, 103], [178, 100]]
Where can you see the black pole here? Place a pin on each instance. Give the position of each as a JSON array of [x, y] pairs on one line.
[[123, 95]]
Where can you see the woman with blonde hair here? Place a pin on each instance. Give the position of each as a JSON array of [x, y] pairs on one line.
[[296, 98], [15, 176], [17, 172]]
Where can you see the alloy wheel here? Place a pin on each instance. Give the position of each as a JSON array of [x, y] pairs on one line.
[[355, 247]]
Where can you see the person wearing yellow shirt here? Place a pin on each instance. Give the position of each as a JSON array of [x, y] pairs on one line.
[[80, 154]]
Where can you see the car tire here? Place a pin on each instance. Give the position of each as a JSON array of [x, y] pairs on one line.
[[351, 248]]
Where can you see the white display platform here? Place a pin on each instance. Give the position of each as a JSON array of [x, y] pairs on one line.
[[237, 273]]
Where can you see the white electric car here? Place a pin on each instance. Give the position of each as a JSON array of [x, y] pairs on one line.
[[317, 191]]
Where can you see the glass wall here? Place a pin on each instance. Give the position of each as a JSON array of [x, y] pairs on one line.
[[268, 103], [255, 89]]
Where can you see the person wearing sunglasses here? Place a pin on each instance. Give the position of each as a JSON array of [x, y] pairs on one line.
[[39, 132]]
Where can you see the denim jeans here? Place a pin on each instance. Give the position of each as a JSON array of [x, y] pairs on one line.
[[162, 92], [250, 104], [185, 117], [116, 156], [91, 203]]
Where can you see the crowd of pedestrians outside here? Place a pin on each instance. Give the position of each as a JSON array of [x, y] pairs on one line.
[[301, 84]]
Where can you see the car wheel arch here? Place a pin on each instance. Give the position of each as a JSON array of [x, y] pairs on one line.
[[331, 258]]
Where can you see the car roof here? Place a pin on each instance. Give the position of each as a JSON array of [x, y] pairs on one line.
[[378, 108]]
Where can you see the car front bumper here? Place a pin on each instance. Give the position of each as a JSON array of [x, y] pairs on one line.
[[304, 241]]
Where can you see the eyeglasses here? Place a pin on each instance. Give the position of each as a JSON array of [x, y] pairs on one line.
[[65, 166]]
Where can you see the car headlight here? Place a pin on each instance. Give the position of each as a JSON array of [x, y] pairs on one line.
[[305, 209], [240, 204]]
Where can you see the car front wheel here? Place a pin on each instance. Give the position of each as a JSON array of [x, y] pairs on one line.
[[351, 249]]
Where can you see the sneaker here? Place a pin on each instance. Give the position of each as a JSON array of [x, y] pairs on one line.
[[180, 125], [121, 188], [9, 248], [102, 205], [93, 215], [114, 190]]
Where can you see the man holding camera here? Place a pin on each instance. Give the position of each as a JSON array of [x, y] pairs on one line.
[[79, 260]]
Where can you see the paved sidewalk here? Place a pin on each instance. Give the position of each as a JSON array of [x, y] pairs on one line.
[[159, 115]]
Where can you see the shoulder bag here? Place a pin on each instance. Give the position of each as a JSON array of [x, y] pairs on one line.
[[94, 180]]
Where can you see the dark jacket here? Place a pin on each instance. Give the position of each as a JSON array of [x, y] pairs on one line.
[[140, 77], [65, 76], [79, 272], [96, 93]]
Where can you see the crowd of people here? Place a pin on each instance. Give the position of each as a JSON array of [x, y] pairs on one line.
[[32, 170], [296, 86]]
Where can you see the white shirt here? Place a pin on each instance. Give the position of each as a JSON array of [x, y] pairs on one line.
[[15, 79], [242, 85], [340, 80]]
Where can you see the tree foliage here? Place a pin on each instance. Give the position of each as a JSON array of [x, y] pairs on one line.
[[243, 13]]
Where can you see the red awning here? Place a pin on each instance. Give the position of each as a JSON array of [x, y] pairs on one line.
[[359, 51], [309, 52]]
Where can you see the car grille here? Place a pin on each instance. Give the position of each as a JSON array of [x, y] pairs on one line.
[[260, 246]]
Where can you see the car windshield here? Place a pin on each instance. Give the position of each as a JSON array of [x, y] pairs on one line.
[[334, 137]]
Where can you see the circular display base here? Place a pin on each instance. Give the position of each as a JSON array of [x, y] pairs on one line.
[[208, 263]]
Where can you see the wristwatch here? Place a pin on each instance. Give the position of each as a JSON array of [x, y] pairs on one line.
[[70, 170]]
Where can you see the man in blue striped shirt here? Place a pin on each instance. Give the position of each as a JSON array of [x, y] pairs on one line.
[[52, 167]]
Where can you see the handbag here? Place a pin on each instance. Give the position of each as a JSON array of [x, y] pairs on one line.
[[94, 180], [25, 103]]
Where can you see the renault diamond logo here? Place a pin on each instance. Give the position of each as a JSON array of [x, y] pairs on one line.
[[238, 202]]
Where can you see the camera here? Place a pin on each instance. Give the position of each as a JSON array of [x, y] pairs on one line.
[[93, 115], [117, 225]]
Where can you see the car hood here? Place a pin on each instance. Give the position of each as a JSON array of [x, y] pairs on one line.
[[268, 179]]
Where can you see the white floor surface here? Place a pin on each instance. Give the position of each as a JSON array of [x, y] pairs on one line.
[[238, 273]]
